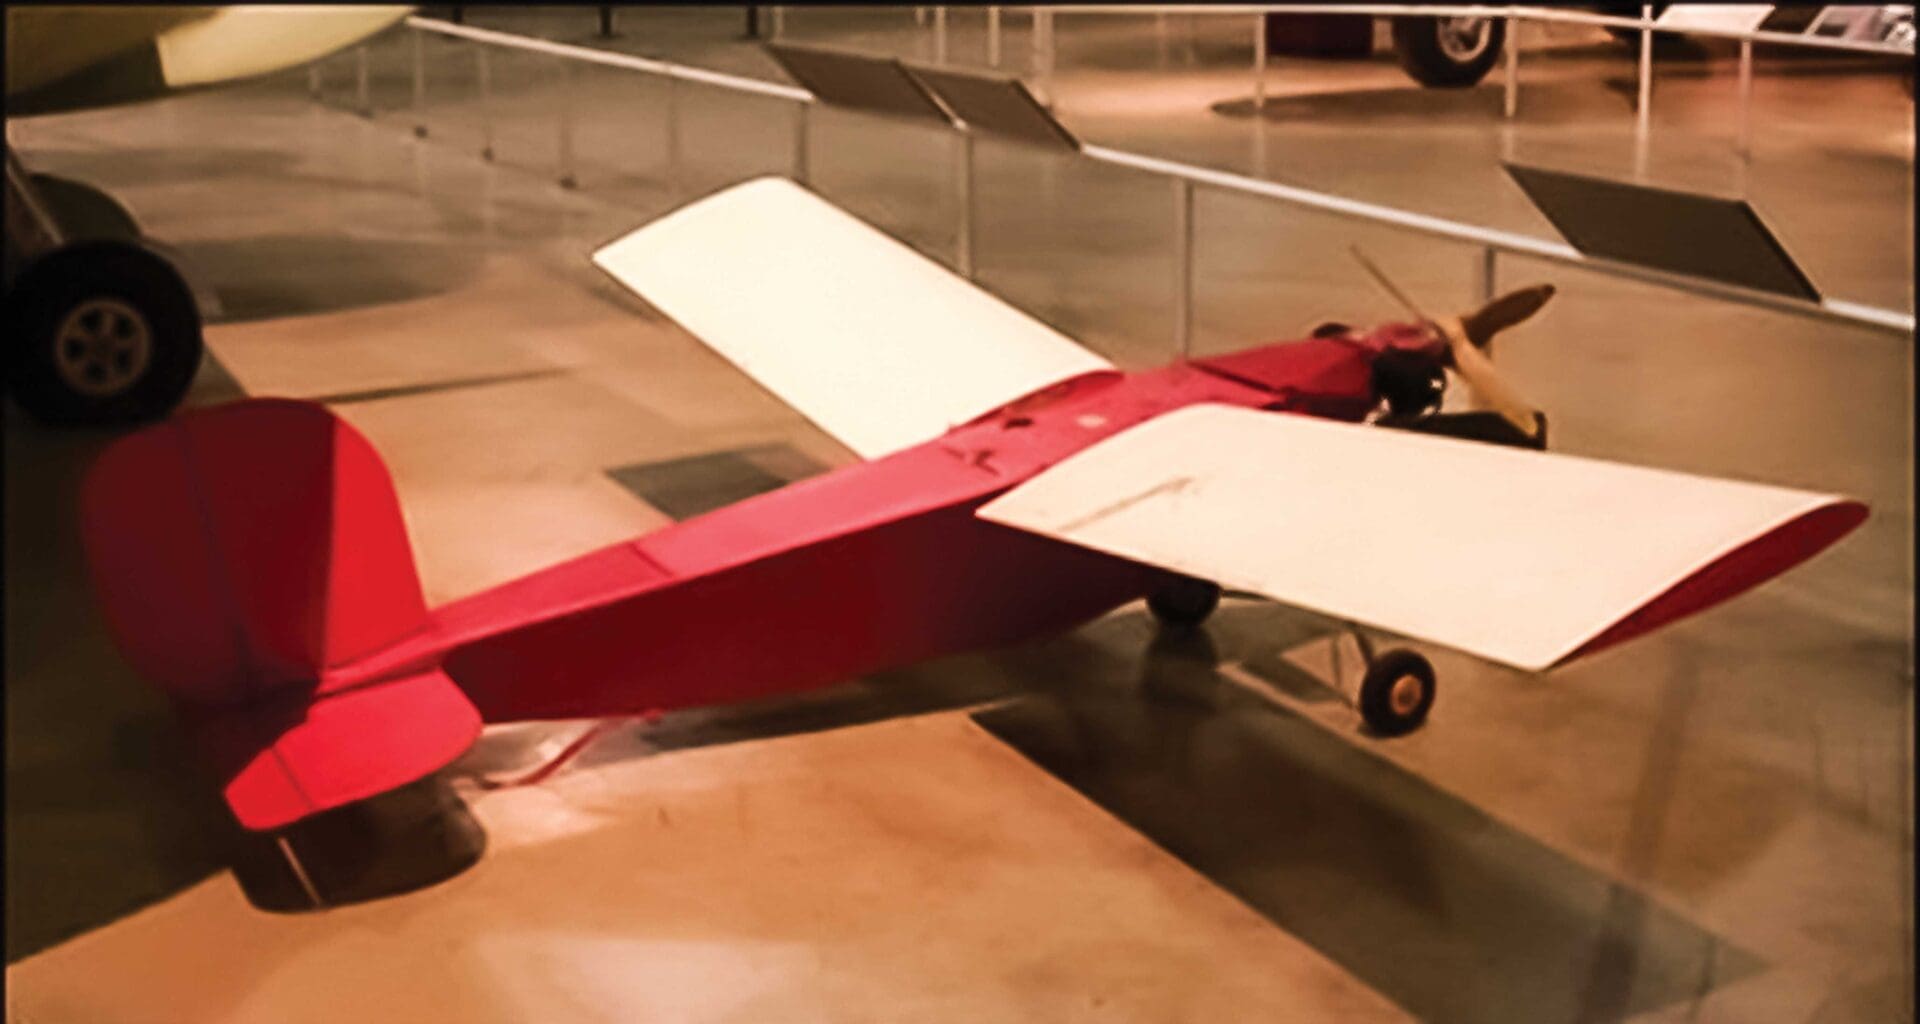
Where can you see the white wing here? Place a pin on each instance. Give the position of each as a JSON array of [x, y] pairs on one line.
[[878, 345], [1513, 555]]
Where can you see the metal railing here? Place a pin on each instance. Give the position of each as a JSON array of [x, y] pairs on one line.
[[1184, 178], [1043, 59]]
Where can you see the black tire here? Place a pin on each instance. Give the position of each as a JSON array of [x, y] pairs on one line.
[[84, 213], [101, 333], [400, 841], [1397, 692], [1436, 51], [1183, 602]]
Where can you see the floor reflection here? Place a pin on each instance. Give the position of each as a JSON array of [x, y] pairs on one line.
[[1453, 915]]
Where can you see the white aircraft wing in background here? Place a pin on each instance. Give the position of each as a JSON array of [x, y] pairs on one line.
[[73, 57]]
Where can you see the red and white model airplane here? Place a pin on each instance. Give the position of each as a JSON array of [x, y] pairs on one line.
[[251, 558]]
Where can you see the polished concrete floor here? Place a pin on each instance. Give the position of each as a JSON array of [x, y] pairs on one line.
[[1714, 823]]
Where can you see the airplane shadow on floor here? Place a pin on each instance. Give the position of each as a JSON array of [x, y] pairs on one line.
[[105, 809], [1450, 913], [1472, 106], [259, 278]]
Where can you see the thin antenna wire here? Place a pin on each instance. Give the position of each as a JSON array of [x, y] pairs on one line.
[[1398, 295]]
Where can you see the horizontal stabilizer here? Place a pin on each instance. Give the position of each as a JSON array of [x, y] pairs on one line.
[[876, 344], [1516, 556], [251, 560]]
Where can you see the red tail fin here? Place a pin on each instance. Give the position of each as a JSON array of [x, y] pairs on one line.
[[243, 553]]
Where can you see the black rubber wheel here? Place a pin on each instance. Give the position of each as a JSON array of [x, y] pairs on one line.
[[84, 213], [1448, 53], [400, 841], [1184, 602], [1397, 692], [101, 333]]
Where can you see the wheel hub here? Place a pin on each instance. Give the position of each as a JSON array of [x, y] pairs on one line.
[[102, 347], [1406, 694], [1464, 39]]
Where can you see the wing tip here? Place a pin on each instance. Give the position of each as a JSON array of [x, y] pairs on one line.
[[1747, 565]]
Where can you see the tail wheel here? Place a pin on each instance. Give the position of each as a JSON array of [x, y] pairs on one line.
[[400, 841], [1397, 692], [1184, 602], [101, 333]]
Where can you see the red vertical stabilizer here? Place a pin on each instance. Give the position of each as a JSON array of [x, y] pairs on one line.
[[250, 559]]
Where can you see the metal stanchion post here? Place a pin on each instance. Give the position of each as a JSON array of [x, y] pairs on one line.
[[939, 35], [779, 26], [1259, 63], [673, 137], [963, 195], [567, 179], [419, 86], [1183, 267], [483, 71], [993, 37], [1746, 99], [1643, 107], [1259, 146], [1043, 56], [360, 82], [606, 21], [1512, 98], [800, 168], [1489, 270]]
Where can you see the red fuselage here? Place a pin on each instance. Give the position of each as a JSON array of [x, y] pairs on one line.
[[872, 566]]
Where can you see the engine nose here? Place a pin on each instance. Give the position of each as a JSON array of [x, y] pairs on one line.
[[1329, 376]]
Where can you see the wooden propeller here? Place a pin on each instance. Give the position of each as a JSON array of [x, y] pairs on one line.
[[1468, 338], [1503, 312]]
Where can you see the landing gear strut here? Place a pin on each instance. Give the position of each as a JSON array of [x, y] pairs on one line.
[[1397, 690]]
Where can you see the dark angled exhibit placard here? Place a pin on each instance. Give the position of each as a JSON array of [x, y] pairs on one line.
[[998, 104], [875, 84], [1705, 236]]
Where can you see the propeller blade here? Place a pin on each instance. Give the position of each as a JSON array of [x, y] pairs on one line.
[[1503, 312], [1488, 387]]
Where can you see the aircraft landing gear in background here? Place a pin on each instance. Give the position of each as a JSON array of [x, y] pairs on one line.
[[1184, 602], [1448, 52], [101, 333], [100, 327]]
